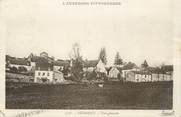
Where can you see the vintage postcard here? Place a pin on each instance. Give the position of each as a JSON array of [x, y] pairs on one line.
[[90, 58]]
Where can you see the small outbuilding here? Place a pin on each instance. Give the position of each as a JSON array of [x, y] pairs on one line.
[[114, 74]]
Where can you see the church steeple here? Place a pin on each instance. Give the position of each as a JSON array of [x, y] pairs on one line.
[[144, 64]]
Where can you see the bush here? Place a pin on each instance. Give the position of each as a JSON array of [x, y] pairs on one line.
[[91, 75], [14, 69], [22, 69]]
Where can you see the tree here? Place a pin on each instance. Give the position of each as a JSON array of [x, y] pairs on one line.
[[129, 65], [14, 69], [166, 68], [118, 60], [76, 63], [75, 52], [22, 69], [102, 55], [65, 70]]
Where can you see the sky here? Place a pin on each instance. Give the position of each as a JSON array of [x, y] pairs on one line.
[[138, 30]]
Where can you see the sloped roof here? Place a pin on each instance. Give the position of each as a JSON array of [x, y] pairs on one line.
[[38, 59], [50, 58], [163, 69], [19, 61], [100, 67], [167, 68], [44, 66], [142, 72], [113, 69], [61, 63], [90, 63], [44, 52], [153, 69], [8, 58]]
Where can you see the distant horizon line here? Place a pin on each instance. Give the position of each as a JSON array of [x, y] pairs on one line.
[[67, 58]]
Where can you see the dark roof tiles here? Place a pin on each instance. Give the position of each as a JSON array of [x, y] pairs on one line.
[[90, 63], [61, 63], [44, 66], [19, 61]]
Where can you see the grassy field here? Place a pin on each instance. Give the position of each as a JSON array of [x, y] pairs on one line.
[[111, 96]]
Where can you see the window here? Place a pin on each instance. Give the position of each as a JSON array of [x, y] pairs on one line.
[[38, 80], [48, 74], [43, 73], [39, 73]]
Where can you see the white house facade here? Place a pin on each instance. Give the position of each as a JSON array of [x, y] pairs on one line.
[[143, 77], [58, 77], [43, 72], [43, 76], [113, 72], [101, 67]]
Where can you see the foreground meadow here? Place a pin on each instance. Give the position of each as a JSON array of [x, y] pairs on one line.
[[113, 95]]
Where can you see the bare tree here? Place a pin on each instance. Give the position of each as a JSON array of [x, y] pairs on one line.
[[76, 62], [75, 52]]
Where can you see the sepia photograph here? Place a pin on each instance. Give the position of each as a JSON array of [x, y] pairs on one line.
[[96, 57]]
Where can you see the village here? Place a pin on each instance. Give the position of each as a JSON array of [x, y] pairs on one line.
[[41, 81], [45, 69], [99, 56]]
